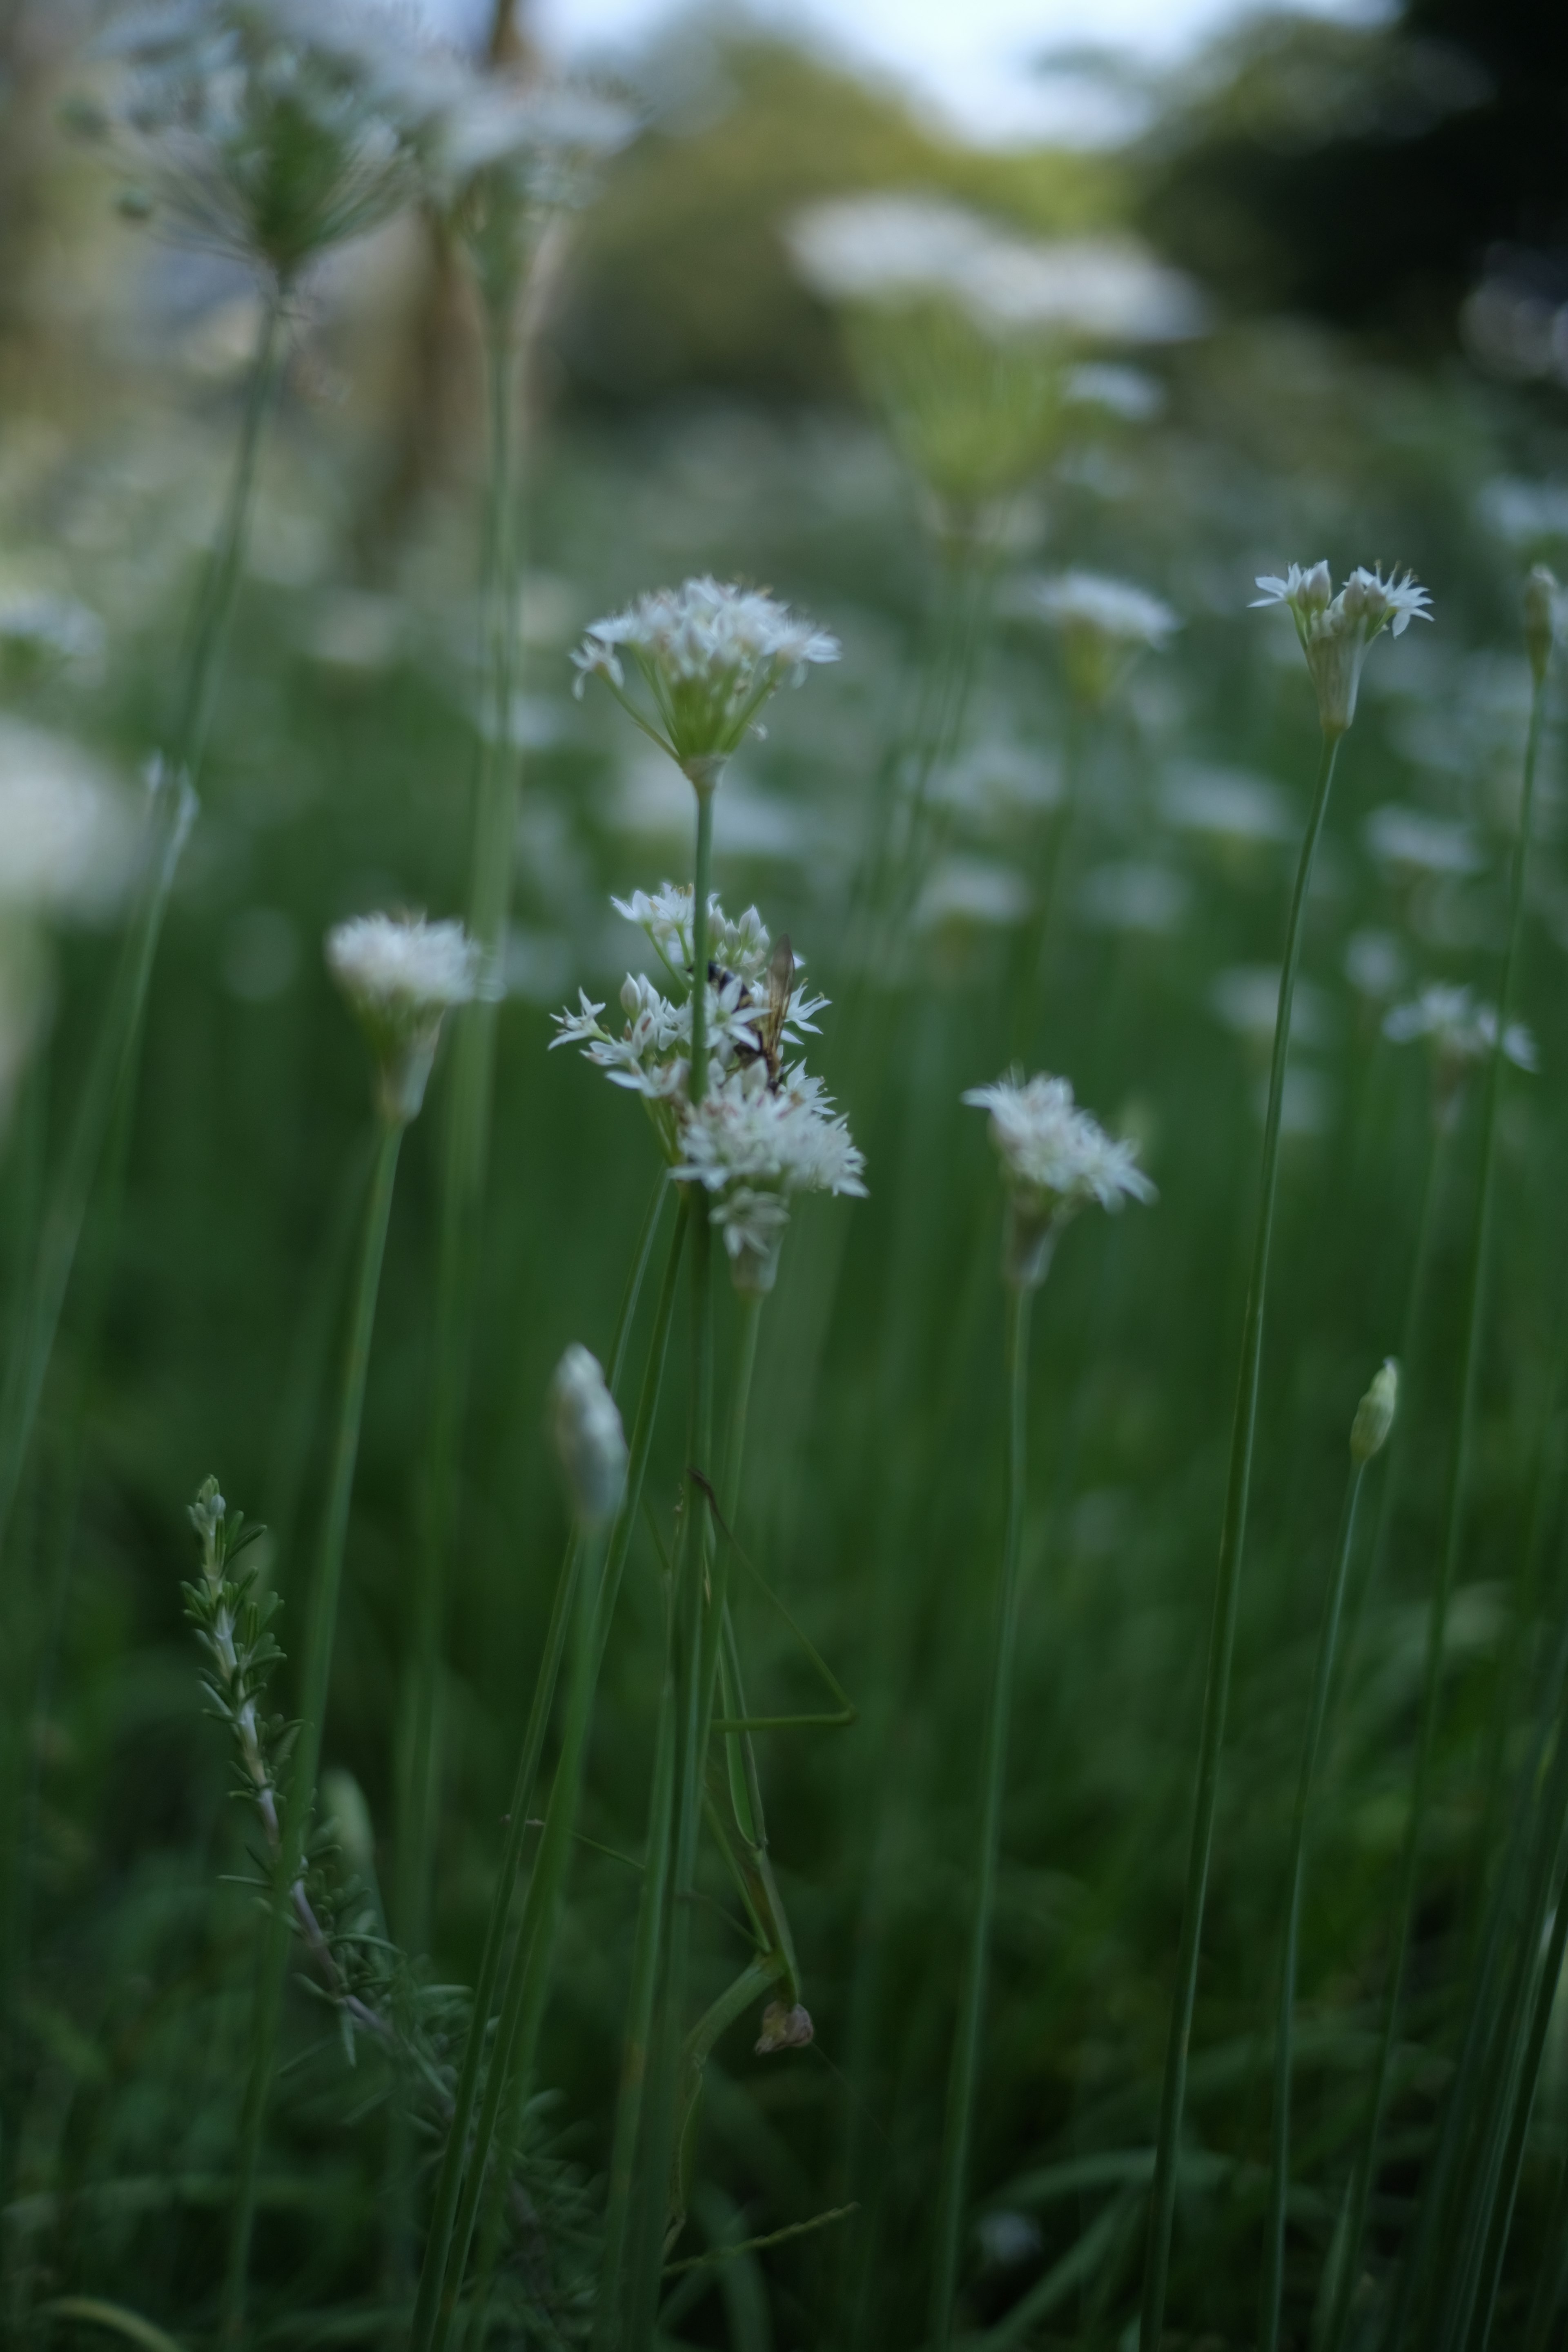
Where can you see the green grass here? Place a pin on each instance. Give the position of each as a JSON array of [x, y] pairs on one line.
[[873, 1493]]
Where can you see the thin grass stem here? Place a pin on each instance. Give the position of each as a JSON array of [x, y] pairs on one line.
[[451, 2223], [1228, 1594], [1317, 1715], [958, 2130], [1453, 1532], [112, 1070], [315, 1675]]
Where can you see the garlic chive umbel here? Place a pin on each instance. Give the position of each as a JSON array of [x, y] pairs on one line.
[[401, 976], [1336, 631], [1103, 624], [1056, 1160], [711, 654]]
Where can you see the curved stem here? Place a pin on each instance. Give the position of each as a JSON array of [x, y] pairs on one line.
[[959, 2126], [1317, 1713], [451, 2225], [1227, 1594], [1453, 1533], [316, 1670]]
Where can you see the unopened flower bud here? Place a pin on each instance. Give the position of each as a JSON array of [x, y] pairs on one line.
[[589, 1441], [784, 2029], [1541, 594], [1374, 1415], [345, 1814]]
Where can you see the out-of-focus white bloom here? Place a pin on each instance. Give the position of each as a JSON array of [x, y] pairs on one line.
[[890, 248], [1054, 1158], [1336, 631], [1375, 964], [1132, 895], [1526, 514], [753, 1147], [1123, 392], [68, 835], [1459, 1028], [43, 631], [507, 155], [590, 1443], [400, 975], [1230, 805], [1374, 1413], [273, 130], [1424, 843], [971, 891], [711, 654], [1102, 624], [1246, 998]]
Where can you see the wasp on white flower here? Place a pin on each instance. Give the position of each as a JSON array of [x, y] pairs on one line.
[[400, 975], [711, 654], [1055, 1158], [1336, 631]]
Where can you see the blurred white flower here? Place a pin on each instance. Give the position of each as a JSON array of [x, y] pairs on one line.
[[590, 1443], [889, 248], [1123, 392], [1459, 1027], [971, 891], [1374, 963], [1424, 843], [68, 835], [1229, 804], [1054, 1158], [1102, 624], [43, 631], [1246, 998], [400, 974], [507, 155], [1335, 632], [1129, 894], [710, 656], [1525, 514]]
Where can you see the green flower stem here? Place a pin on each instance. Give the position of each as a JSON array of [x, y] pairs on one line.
[[466, 1142], [1228, 1594], [1453, 1534], [112, 1071], [1317, 1715], [315, 1673], [452, 2217], [695, 1650], [958, 2129], [613, 2282]]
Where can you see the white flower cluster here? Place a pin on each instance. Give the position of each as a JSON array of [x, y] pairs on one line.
[[1052, 1150], [763, 1132], [1102, 624], [509, 154], [711, 654], [1336, 631], [1460, 1031], [400, 975]]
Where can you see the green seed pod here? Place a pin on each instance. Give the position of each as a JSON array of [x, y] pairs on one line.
[[1374, 1415]]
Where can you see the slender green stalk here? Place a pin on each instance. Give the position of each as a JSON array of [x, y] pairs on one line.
[[315, 1674], [452, 2218], [466, 1147], [1453, 1534], [1317, 1713], [959, 2122], [113, 1068], [1553, 2273], [1228, 1594]]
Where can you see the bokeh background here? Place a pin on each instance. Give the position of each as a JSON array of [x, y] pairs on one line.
[[1373, 216]]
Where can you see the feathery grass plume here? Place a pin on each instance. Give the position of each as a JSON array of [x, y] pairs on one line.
[[400, 977], [1369, 1434], [1335, 632], [1056, 1160], [1539, 625]]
